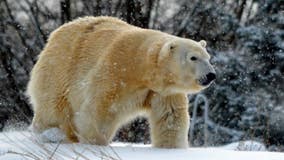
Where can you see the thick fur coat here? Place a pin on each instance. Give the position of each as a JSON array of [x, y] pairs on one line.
[[97, 73]]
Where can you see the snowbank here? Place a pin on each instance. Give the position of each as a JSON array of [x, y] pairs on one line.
[[25, 145]]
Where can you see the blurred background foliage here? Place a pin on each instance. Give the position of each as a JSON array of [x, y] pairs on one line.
[[245, 39]]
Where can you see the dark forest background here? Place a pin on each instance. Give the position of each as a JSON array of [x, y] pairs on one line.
[[245, 39]]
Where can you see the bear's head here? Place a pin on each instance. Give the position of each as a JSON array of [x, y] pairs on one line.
[[184, 66]]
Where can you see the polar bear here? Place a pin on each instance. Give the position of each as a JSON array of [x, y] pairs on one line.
[[97, 73]]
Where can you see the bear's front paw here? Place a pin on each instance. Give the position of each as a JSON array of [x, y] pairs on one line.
[[171, 144]]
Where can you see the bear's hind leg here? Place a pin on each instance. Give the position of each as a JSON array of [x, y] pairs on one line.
[[46, 118], [43, 119]]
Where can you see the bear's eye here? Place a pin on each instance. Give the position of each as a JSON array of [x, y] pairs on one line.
[[193, 58]]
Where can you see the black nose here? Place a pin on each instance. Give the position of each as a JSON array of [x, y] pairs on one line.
[[211, 76], [208, 79]]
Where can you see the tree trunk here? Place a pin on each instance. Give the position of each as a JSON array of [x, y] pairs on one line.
[[65, 11]]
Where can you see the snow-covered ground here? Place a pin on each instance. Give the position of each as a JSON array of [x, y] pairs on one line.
[[24, 145]]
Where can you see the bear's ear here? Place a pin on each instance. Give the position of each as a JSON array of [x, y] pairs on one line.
[[167, 49], [203, 43], [172, 47]]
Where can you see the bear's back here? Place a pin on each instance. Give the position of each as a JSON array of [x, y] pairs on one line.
[[68, 35], [71, 51]]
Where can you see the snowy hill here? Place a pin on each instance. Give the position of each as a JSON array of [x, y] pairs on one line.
[[24, 145]]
